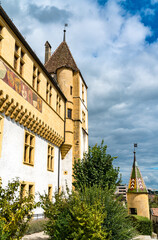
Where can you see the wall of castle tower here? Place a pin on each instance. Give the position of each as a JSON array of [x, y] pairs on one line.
[[140, 202]]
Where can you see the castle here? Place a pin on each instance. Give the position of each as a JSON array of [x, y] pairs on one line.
[[43, 113]]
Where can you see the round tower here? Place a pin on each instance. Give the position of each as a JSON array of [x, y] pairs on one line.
[[137, 194]]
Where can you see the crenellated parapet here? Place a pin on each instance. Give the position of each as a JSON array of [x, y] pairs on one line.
[[23, 116]]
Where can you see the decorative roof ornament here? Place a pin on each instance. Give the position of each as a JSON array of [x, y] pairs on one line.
[[136, 182], [64, 37]]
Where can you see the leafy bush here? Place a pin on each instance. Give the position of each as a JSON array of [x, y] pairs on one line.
[[116, 222], [96, 168], [93, 213], [15, 211], [142, 224], [36, 226], [74, 217]]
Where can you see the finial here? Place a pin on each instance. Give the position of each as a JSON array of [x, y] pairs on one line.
[[64, 31], [135, 145]]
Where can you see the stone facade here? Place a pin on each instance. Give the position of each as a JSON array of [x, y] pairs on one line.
[[39, 135]]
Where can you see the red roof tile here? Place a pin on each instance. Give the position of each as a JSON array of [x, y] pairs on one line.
[[154, 212]]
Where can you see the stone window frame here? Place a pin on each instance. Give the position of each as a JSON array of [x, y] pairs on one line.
[[29, 148], [50, 158]]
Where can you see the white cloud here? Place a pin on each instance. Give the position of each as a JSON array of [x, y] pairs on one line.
[[119, 66]]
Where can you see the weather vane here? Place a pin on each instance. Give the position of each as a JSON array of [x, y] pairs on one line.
[[135, 145], [66, 25]]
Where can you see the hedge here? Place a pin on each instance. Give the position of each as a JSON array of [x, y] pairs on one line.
[[142, 224]]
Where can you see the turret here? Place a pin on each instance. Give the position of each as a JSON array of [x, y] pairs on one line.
[[137, 194]]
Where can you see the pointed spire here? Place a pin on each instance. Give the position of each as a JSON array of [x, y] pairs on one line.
[[64, 37], [136, 182]]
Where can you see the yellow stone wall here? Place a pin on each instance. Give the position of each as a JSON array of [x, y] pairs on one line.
[[65, 80], [49, 117], [140, 202]]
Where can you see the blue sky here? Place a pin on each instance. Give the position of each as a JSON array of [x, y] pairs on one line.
[[114, 43]]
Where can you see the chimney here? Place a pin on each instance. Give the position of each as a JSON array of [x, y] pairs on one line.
[[47, 51]]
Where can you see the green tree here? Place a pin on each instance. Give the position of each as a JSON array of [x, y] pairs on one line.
[[15, 211], [96, 168]]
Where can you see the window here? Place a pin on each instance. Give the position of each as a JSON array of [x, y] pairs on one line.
[[82, 92], [29, 148], [69, 113], [27, 189], [50, 158], [70, 90], [49, 93], [22, 55], [19, 59], [50, 191], [15, 62], [1, 132], [83, 119], [36, 79], [16, 48], [133, 211], [21, 67], [58, 104], [1, 30]]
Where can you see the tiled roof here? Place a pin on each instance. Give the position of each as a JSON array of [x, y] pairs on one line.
[[154, 212], [136, 182], [62, 57]]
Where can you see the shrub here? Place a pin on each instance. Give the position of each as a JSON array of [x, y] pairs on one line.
[[36, 226], [74, 217], [15, 211], [93, 213], [142, 224], [116, 222]]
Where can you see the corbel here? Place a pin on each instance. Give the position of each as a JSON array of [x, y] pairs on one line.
[[14, 111], [37, 126], [34, 124], [26, 121], [4, 104], [7, 113], [23, 117], [18, 113], [31, 122]]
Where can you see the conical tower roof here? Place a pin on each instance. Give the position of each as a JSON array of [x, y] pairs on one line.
[[136, 182], [62, 57]]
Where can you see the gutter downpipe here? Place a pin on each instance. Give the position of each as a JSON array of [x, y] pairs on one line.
[[60, 149]]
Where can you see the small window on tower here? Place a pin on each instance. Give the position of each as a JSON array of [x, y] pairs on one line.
[[70, 90], [133, 211], [69, 113]]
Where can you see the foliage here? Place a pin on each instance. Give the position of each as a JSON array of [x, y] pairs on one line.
[[96, 168], [153, 203], [142, 224], [93, 213], [36, 226], [15, 211], [117, 224], [74, 217]]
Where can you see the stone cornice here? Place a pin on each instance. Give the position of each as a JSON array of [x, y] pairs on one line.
[[16, 111]]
